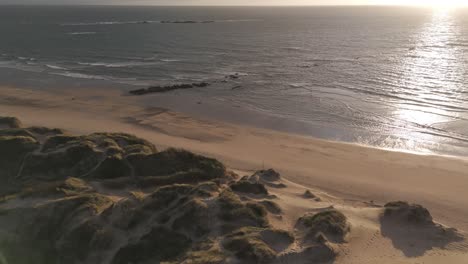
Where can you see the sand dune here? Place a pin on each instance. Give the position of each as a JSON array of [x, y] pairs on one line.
[[357, 180]]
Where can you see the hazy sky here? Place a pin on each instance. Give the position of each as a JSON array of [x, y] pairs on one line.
[[197, 2]]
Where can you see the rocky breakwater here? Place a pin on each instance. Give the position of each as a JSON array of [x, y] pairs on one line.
[[167, 88]]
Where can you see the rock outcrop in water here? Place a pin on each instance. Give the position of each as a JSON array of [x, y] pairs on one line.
[[115, 198], [167, 88]]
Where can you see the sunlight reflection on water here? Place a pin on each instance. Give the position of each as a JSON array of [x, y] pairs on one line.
[[433, 70]]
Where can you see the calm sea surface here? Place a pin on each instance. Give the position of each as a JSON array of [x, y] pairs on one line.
[[388, 77]]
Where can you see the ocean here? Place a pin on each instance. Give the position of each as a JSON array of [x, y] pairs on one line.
[[390, 77]]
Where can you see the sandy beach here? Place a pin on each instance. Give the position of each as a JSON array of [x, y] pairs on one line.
[[356, 179]]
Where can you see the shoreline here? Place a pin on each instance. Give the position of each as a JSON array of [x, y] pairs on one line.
[[196, 103], [350, 171]]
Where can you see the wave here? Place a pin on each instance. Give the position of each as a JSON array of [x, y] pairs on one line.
[[128, 81], [81, 33], [109, 23], [118, 64], [81, 75], [54, 67], [458, 44], [157, 22], [170, 60], [295, 48], [25, 58]]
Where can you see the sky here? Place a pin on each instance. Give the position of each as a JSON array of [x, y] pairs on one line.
[[189, 2], [238, 2]]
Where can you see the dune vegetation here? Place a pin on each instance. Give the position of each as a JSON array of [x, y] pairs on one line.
[[115, 198]]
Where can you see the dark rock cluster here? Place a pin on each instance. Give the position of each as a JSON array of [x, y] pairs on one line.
[[167, 88]]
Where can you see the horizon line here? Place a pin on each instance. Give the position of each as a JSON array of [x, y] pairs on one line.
[[163, 5]]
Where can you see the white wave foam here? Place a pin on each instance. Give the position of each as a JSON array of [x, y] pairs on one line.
[[55, 67], [81, 75], [129, 81], [170, 60], [117, 64], [110, 23], [81, 33], [25, 58]]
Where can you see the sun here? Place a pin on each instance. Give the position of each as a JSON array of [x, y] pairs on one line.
[[433, 3]]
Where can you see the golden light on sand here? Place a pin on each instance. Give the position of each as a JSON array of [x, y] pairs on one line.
[[433, 3]]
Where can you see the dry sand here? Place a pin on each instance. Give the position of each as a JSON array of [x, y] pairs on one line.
[[346, 176]]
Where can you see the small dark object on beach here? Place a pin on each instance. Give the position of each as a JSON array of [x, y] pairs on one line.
[[308, 194], [233, 76], [202, 84]]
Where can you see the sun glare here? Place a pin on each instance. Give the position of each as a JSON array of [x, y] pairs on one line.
[[434, 3]]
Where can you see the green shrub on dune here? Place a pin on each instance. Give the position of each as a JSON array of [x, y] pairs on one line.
[[45, 130], [55, 142], [172, 161], [88, 236], [251, 246], [195, 219], [13, 150], [237, 214], [160, 244], [9, 122], [112, 197], [76, 160], [68, 187], [15, 147], [125, 140], [248, 187], [138, 149], [412, 213], [16, 132], [112, 167], [330, 222], [209, 256]]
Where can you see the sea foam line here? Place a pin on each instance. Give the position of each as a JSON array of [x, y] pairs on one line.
[[81, 33]]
